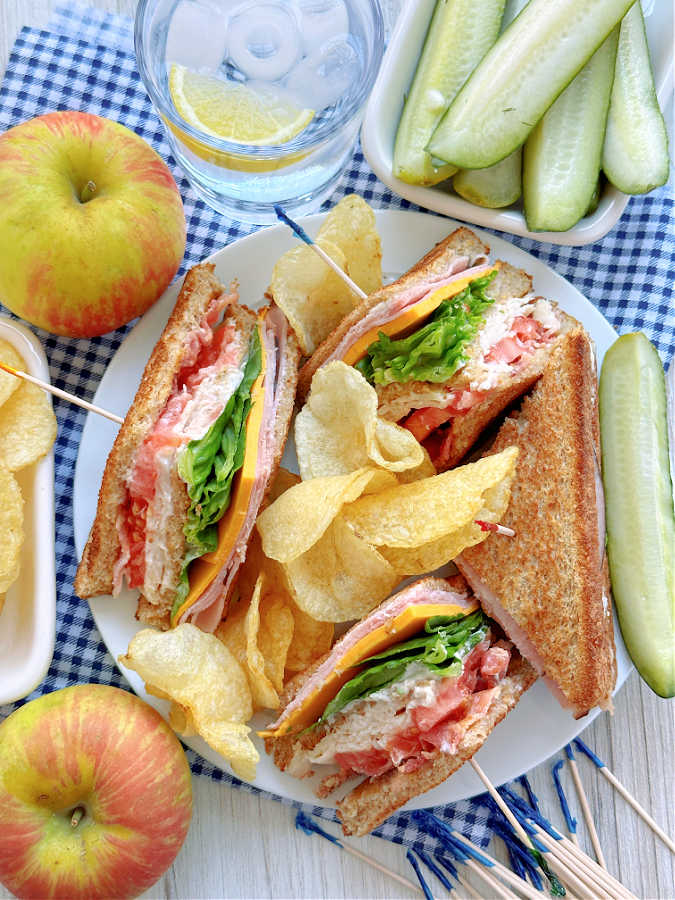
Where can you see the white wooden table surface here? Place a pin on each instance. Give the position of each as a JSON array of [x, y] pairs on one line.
[[240, 845]]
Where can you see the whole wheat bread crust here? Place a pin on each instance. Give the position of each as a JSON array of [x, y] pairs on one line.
[[375, 799], [462, 242], [553, 577], [95, 572]]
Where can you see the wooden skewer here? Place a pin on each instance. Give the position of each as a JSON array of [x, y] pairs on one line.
[[64, 395], [644, 815], [614, 781], [302, 234], [376, 865], [585, 808], [499, 800], [498, 889], [570, 862], [570, 855], [495, 527], [507, 875], [467, 887]]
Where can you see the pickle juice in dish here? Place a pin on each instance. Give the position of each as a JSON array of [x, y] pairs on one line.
[[262, 101]]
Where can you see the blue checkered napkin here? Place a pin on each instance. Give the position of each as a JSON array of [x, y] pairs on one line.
[[84, 61]]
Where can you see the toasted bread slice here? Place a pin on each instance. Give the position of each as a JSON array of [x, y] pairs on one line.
[[548, 587], [462, 244], [95, 572]]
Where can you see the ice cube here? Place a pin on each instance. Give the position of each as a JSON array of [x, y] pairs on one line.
[[320, 79], [321, 20], [197, 36], [264, 40]]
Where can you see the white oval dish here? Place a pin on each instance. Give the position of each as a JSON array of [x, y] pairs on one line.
[[538, 726], [28, 619], [384, 111]]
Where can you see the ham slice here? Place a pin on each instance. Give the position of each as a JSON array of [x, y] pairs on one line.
[[207, 611], [392, 307]]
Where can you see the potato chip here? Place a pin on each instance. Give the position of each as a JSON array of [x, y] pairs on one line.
[[338, 430], [269, 629], [312, 296], [311, 640], [2, 601], [232, 631], [420, 526], [283, 480], [11, 529], [206, 684], [341, 577], [276, 634], [298, 518], [351, 225], [258, 632], [9, 383], [425, 470], [27, 427], [255, 564]]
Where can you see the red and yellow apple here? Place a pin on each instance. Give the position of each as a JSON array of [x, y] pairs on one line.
[[95, 795], [92, 228]]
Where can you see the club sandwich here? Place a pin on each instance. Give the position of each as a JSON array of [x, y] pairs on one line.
[[449, 345], [548, 587], [401, 701], [194, 458]]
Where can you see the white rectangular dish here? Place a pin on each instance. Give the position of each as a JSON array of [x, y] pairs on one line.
[[386, 102], [28, 619]]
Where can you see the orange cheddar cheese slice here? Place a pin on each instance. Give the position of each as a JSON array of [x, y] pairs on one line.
[[403, 626], [203, 570], [413, 316]]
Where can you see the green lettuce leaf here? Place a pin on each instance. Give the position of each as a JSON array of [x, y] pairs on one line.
[[436, 350], [442, 647], [208, 465]]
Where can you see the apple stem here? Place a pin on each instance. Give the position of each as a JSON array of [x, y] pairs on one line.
[[88, 191], [76, 817]]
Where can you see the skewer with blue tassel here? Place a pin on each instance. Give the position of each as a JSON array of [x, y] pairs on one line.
[[305, 823], [614, 781]]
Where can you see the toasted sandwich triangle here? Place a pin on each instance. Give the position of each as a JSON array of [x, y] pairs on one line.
[[548, 587]]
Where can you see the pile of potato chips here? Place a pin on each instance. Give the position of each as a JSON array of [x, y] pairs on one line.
[[315, 299], [372, 510], [27, 432]]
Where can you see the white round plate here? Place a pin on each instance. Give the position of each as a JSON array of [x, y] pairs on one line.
[[538, 726]]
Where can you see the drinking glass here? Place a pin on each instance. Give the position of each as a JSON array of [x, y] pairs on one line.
[[262, 101]]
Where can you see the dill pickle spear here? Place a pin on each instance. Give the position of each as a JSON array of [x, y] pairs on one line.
[[561, 157], [635, 157], [494, 187], [460, 34], [639, 506], [518, 79]]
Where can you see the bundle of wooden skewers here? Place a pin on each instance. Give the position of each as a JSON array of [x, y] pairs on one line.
[[543, 861]]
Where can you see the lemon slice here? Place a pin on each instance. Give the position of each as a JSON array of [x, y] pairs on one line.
[[235, 112]]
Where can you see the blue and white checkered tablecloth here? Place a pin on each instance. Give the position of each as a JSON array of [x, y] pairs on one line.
[[84, 60]]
